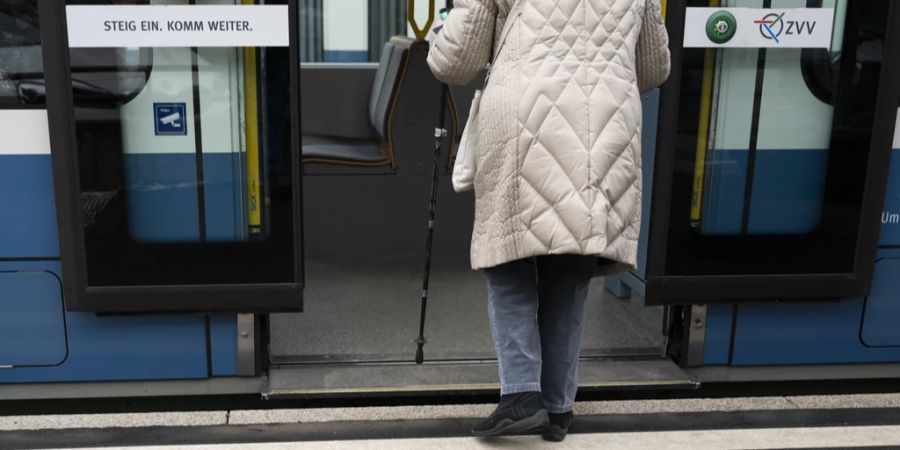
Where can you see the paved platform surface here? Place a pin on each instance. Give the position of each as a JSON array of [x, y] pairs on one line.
[[439, 412], [844, 421], [831, 437]]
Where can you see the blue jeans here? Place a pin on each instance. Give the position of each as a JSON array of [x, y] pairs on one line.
[[536, 309]]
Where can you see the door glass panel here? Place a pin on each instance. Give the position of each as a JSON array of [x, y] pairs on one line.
[[20, 53], [184, 163], [772, 149]]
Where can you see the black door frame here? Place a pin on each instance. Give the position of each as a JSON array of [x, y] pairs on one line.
[[79, 296], [667, 289]]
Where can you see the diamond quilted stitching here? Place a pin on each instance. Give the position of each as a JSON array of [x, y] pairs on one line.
[[612, 26], [572, 80], [549, 209]]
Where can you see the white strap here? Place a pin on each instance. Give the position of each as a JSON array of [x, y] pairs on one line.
[[511, 17]]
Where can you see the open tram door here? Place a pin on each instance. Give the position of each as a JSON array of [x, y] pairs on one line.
[[174, 157], [772, 155]]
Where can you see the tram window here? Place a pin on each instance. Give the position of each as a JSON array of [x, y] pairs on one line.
[[772, 150], [20, 52], [93, 81], [350, 31], [184, 181], [109, 77]]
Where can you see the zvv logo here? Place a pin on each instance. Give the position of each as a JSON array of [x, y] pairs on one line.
[[772, 26]]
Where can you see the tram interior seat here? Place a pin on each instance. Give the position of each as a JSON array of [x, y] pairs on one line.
[[386, 89]]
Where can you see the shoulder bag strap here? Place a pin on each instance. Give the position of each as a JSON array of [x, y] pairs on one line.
[[513, 15]]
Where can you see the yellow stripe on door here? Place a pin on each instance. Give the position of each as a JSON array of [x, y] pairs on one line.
[[251, 131], [709, 62]]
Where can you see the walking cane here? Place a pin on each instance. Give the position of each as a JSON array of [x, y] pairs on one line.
[[439, 133]]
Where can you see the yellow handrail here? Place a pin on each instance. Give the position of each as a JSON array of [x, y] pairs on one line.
[[411, 17], [251, 131], [703, 129]]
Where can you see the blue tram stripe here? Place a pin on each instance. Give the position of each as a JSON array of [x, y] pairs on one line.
[[346, 56], [787, 192], [28, 228]]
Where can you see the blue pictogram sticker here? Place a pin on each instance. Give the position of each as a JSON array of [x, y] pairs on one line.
[[170, 119]]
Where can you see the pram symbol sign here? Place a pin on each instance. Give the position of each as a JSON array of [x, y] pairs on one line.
[[169, 119]]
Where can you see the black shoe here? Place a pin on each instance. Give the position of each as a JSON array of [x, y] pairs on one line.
[[516, 414], [558, 428]]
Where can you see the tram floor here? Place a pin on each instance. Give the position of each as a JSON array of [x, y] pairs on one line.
[[368, 310]]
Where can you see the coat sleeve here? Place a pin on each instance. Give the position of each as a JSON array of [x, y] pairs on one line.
[[652, 53], [462, 48]]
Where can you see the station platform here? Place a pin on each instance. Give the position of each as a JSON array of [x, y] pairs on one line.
[[842, 421]]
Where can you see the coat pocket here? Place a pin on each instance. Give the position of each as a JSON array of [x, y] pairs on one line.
[[465, 166]]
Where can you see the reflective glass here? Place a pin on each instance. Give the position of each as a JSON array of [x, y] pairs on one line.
[[184, 164], [772, 149], [21, 68]]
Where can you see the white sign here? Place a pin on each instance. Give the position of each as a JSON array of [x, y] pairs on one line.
[[178, 25], [25, 132], [759, 28]]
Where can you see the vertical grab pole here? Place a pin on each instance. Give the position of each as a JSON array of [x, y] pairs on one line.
[[439, 133]]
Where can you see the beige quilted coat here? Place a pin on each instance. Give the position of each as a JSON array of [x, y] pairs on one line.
[[558, 147]]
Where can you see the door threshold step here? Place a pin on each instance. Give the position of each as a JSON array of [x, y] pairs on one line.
[[470, 378]]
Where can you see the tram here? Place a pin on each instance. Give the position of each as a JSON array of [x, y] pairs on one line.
[[192, 208]]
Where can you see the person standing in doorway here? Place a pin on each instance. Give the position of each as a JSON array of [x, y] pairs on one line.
[[558, 179]]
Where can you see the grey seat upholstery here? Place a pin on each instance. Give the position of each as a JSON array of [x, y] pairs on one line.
[[341, 149], [386, 87]]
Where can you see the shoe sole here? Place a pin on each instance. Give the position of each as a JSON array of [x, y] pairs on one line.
[[554, 433], [540, 420]]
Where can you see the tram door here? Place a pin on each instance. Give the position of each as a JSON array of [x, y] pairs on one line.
[[776, 132], [366, 197], [177, 185]]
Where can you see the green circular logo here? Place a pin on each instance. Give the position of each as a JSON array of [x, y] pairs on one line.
[[721, 27]]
